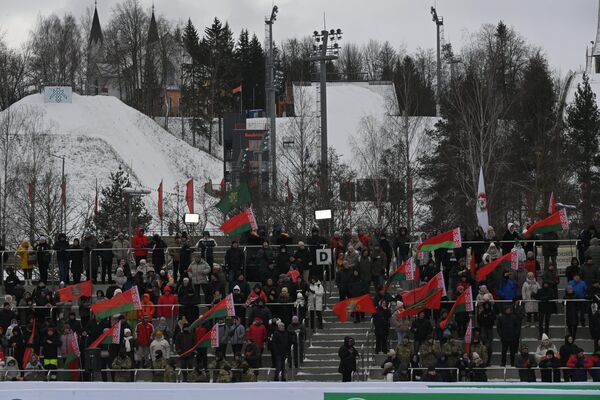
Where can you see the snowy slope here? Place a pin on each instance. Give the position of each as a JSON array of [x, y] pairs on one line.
[[97, 134], [347, 104]]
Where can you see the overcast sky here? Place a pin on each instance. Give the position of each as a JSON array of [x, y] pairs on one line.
[[561, 27]]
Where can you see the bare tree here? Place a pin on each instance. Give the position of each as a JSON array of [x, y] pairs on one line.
[[56, 51], [350, 62], [371, 59], [13, 79]]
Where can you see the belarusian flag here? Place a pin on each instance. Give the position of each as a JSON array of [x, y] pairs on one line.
[[509, 260], [74, 292], [235, 198], [464, 303], [111, 336], [224, 308], [427, 296], [241, 223], [119, 304], [446, 240], [344, 308], [556, 222], [468, 334], [552, 204], [210, 339], [29, 346], [72, 359], [407, 271]]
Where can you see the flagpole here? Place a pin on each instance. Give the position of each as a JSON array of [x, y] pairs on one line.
[[241, 98]]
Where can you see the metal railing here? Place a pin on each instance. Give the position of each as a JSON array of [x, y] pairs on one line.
[[505, 371]]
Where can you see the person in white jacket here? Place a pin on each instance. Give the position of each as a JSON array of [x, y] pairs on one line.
[[545, 345], [160, 343], [316, 291], [528, 290]]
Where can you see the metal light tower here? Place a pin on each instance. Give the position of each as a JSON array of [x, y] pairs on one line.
[[271, 104], [325, 48], [439, 21]]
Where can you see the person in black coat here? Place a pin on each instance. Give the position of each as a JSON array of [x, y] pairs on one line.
[[76, 258], [343, 280], [280, 347], [49, 348], [546, 307], [401, 246], [234, 260], [549, 367], [348, 356], [526, 363], [158, 246], [314, 242], [509, 330], [571, 311], [566, 351], [421, 329], [381, 321], [6, 316], [356, 288], [62, 257], [43, 258], [106, 257]]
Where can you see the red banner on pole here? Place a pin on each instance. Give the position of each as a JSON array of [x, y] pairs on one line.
[[160, 200], [189, 195]]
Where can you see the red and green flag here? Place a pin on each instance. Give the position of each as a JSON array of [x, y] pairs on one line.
[[29, 346], [344, 308], [210, 339], [556, 222], [509, 260], [464, 303], [124, 302], [446, 240], [243, 222], [427, 296], [407, 271], [552, 204], [224, 308], [111, 335], [74, 292], [72, 360], [468, 334]]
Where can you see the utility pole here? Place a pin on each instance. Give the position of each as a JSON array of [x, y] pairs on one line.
[[63, 194], [130, 193], [439, 21], [271, 102], [325, 49]]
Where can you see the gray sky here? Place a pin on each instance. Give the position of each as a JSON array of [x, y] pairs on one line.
[[561, 27]]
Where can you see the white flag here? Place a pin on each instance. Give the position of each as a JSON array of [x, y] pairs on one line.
[[481, 206]]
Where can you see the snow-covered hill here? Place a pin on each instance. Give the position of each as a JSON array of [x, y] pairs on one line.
[[97, 134]]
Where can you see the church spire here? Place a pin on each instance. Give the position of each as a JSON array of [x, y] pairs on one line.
[[96, 32], [596, 47], [152, 29]]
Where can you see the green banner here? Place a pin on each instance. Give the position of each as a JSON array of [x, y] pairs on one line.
[[449, 396]]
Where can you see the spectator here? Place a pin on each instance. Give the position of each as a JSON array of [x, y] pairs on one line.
[[578, 364], [589, 273], [160, 344], [482, 351], [199, 271], [348, 355], [234, 260], [478, 372], [593, 251], [43, 258], [76, 259], [297, 333], [579, 289], [34, 370], [431, 375], [62, 257], [528, 293], [428, 352], [566, 351], [573, 269], [401, 245], [27, 258], [381, 321], [122, 362], [585, 238], [400, 324], [546, 307], [158, 246], [206, 246], [343, 279], [49, 348], [531, 264], [421, 328], [509, 330], [280, 347], [595, 327], [140, 244], [257, 333], [526, 363], [507, 290], [144, 332], [549, 248], [415, 368], [453, 350], [549, 367], [90, 255], [545, 345], [486, 319]]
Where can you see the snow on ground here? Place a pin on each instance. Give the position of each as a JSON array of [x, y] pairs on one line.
[[99, 133]]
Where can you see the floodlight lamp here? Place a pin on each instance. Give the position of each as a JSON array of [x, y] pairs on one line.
[[322, 214], [192, 218]]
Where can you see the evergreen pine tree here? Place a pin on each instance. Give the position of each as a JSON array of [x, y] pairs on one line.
[[583, 122], [112, 214]]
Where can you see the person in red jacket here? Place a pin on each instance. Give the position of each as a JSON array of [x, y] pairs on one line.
[[140, 243], [143, 334], [165, 305], [147, 307], [579, 364], [258, 333]]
